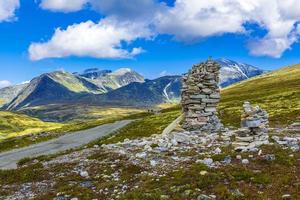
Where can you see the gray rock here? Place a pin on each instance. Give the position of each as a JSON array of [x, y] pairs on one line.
[[205, 197], [86, 184], [245, 161], [269, 157]]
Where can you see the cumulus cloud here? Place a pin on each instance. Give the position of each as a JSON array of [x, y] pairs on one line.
[[7, 9], [105, 39], [187, 21], [5, 83], [63, 5], [192, 20]]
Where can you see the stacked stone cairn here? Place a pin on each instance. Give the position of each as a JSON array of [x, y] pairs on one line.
[[200, 97], [254, 131]]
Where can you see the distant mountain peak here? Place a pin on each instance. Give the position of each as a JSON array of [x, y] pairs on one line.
[[122, 71], [232, 71]]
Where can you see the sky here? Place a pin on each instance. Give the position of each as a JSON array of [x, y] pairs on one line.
[[153, 37]]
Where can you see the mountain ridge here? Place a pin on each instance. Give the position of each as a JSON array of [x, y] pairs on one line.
[[122, 87]]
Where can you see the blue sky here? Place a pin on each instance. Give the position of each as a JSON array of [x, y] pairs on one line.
[[155, 38]]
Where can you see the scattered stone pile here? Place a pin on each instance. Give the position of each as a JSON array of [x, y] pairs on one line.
[[254, 131], [200, 97]]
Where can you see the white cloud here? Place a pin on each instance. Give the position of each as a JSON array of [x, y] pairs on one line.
[[5, 83], [63, 5], [100, 40], [192, 20], [186, 21], [7, 9]]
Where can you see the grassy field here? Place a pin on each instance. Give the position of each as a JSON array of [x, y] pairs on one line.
[[12, 125], [145, 127], [66, 113], [278, 92]]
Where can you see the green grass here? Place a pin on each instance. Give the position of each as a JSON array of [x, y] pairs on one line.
[[145, 127], [277, 92], [12, 125]]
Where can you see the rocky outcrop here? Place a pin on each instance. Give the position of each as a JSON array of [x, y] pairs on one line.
[[254, 131], [200, 97]]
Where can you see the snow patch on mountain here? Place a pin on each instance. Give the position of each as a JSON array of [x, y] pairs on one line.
[[232, 72]]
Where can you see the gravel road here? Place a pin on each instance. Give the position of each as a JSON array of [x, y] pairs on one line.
[[8, 160]]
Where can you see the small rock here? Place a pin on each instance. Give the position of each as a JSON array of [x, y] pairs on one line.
[[269, 157], [227, 160], [202, 173], [239, 157], [60, 198], [259, 152], [205, 197], [236, 193], [245, 161], [207, 161], [286, 196], [217, 151], [86, 184], [141, 155], [153, 163], [84, 174]]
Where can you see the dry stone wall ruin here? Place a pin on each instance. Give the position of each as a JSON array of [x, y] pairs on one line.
[[200, 97]]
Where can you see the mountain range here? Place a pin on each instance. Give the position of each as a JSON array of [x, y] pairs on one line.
[[123, 87]]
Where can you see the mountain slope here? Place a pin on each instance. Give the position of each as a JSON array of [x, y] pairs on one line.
[[12, 125], [116, 79], [232, 72], [278, 92], [55, 87], [7, 94], [149, 93], [63, 87]]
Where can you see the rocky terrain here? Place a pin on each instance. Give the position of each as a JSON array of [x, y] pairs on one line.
[[177, 165]]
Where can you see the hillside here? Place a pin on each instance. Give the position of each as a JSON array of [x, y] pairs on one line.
[[7, 94], [149, 93], [277, 92], [12, 125]]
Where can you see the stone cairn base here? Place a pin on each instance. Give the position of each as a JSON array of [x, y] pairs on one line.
[[200, 97], [254, 131]]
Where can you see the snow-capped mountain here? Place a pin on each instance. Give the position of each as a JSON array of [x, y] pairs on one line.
[[233, 72]]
